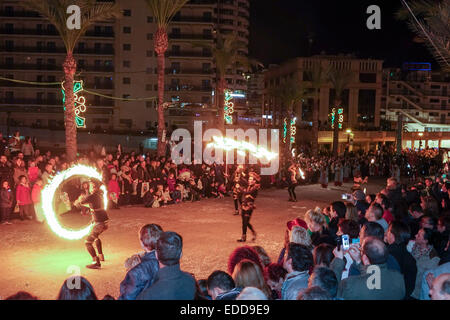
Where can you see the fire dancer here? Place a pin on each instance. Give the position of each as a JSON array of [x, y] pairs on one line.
[[293, 168], [100, 222], [248, 205]]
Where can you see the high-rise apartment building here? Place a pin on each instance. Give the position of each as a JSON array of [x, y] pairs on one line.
[[117, 58]]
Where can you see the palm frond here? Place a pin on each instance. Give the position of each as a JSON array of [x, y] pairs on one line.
[[165, 10], [340, 79], [56, 12], [430, 21]]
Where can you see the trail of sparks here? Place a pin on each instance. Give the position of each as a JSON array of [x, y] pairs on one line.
[[241, 147], [48, 194]]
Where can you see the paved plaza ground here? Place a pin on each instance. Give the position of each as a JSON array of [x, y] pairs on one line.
[[34, 259]]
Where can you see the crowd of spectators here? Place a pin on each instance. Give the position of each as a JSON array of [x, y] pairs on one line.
[[398, 239]]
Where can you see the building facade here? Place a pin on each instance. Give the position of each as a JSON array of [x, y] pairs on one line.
[[361, 98], [116, 58]]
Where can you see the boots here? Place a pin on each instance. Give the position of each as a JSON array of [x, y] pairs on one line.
[[243, 238], [254, 235], [95, 264], [236, 213]]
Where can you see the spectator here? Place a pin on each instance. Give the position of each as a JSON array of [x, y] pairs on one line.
[[351, 212], [263, 256], [390, 284], [375, 214], [170, 283], [360, 202], [36, 197], [221, 286], [27, 149], [397, 238], [385, 203], [114, 191], [425, 255], [275, 274], [298, 263], [314, 293], [23, 197], [241, 253], [323, 255], [22, 295], [249, 274], [440, 289], [251, 293], [76, 288], [142, 275], [6, 203], [317, 227], [33, 172], [326, 279], [338, 210]]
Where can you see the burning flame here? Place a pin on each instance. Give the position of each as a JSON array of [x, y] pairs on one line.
[[302, 174], [48, 194], [241, 147]]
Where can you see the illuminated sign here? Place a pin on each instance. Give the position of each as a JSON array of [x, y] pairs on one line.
[[79, 100], [340, 117], [228, 107]]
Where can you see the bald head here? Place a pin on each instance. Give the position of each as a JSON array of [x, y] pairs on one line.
[[375, 250], [441, 287]]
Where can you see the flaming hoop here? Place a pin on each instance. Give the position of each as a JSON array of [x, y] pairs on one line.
[[241, 147], [48, 194]]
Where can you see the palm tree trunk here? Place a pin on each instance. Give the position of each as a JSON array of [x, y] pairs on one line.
[[70, 67], [336, 130], [221, 104], [161, 45], [315, 128]]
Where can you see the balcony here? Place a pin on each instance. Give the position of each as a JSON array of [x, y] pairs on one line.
[[188, 54], [52, 67], [192, 19], [189, 37], [56, 50], [19, 14], [35, 32], [188, 71], [187, 88]]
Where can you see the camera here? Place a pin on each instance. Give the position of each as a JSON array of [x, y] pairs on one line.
[[347, 196]]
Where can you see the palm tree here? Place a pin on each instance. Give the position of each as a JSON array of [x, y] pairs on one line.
[[55, 12], [290, 93], [318, 76], [226, 54], [340, 80], [431, 22], [163, 11]]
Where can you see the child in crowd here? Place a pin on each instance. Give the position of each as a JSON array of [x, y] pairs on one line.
[[23, 197], [114, 191], [6, 203]]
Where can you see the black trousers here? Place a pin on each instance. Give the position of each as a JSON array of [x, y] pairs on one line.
[[246, 215], [237, 202], [5, 213], [93, 237], [291, 190]]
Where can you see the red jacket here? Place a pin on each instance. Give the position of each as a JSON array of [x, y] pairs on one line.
[[387, 215], [33, 174], [36, 193], [113, 187], [23, 195]]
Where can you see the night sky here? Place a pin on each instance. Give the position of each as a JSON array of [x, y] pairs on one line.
[[279, 30]]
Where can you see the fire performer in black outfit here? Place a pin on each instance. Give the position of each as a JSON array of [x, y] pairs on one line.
[[100, 221], [248, 205], [239, 184]]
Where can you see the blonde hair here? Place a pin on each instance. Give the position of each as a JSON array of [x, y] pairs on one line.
[[248, 274], [299, 235], [315, 216]]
